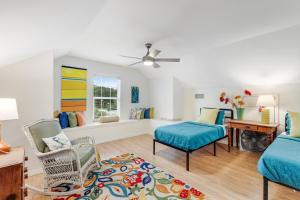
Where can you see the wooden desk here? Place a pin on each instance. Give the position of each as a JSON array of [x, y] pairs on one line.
[[269, 129], [12, 174]]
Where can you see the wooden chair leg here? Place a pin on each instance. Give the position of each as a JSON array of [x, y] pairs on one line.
[[266, 187]]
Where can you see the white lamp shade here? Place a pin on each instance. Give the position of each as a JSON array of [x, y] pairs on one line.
[[265, 100], [8, 109]]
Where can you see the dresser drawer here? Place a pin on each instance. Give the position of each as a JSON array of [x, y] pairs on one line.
[[245, 127], [263, 129], [266, 129]]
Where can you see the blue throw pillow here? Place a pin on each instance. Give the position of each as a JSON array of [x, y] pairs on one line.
[[287, 123], [147, 113], [220, 117], [63, 120]]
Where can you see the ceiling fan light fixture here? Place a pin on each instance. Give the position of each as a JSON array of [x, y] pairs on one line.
[[148, 62]]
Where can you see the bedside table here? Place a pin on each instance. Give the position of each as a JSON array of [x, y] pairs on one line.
[[12, 174], [269, 129]]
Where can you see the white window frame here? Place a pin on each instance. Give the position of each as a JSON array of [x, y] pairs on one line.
[[112, 98]]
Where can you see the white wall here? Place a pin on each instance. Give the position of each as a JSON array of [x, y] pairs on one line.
[[166, 96], [178, 99], [129, 77], [289, 98], [31, 83], [161, 97]]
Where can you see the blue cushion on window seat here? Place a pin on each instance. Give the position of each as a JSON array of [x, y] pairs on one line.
[[147, 113], [63, 120]]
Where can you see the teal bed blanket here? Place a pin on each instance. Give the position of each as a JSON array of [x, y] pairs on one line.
[[189, 135], [281, 161]]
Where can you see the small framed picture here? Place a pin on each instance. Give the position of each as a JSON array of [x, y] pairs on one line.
[[134, 94]]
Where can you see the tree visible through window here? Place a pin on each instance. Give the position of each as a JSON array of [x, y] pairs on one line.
[[106, 96]]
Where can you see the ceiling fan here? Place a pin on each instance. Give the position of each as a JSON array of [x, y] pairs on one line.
[[150, 58]]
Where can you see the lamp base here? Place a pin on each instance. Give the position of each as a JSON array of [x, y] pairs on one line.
[[265, 116], [4, 148]]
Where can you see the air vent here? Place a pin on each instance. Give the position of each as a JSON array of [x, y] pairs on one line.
[[199, 96]]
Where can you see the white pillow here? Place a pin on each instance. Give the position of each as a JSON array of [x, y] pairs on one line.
[[57, 142], [208, 115]]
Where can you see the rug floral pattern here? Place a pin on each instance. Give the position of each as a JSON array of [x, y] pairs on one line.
[[131, 177]]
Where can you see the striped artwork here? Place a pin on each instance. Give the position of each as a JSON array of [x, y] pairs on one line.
[[73, 89]]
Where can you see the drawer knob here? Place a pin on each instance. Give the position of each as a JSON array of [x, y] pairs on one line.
[[25, 192], [25, 169], [26, 158], [26, 176]]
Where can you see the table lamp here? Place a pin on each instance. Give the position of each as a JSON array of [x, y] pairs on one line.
[[265, 101], [8, 111]]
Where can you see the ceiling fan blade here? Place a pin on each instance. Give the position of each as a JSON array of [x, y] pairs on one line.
[[153, 53], [130, 57], [167, 59], [135, 63], [155, 65]]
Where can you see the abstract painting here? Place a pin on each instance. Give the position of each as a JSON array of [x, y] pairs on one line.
[[73, 89], [134, 94]]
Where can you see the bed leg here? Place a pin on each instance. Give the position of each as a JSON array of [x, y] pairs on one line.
[[153, 147], [265, 193], [214, 148], [187, 161]]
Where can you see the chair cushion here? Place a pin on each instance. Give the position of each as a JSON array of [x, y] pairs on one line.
[[85, 153], [44, 129]]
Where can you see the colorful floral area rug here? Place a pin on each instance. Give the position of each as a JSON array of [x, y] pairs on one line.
[[131, 177]]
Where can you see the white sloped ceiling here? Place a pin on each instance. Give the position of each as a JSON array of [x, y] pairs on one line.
[[219, 41]]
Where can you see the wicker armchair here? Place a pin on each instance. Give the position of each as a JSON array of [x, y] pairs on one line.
[[67, 165]]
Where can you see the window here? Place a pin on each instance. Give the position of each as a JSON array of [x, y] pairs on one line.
[[106, 96]]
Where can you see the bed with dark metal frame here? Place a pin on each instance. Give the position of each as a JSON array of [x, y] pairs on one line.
[[266, 183], [266, 187], [228, 115]]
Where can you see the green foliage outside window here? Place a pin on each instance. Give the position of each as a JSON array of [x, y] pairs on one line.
[[105, 100]]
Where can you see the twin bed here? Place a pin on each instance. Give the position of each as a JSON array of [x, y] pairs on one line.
[[280, 163], [190, 136]]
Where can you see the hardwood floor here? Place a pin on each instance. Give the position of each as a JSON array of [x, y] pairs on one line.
[[228, 176]]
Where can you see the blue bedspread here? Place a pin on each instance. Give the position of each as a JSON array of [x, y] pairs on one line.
[[189, 135], [281, 161]]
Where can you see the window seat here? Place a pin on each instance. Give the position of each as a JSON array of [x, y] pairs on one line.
[[104, 132]]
